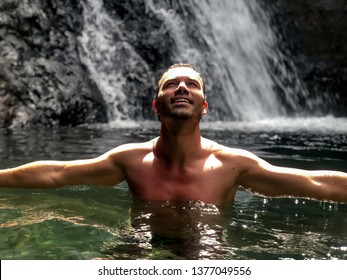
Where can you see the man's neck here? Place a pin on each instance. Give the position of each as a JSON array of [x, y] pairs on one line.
[[179, 143]]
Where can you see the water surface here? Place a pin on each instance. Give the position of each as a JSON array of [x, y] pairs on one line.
[[89, 222]]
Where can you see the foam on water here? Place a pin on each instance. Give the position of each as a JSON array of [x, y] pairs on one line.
[[316, 125], [319, 125]]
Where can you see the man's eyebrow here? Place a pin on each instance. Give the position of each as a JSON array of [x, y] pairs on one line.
[[169, 80], [193, 80]]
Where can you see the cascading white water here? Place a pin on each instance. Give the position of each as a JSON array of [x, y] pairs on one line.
[[239, 39], [102, 47], [239, 49], [99, 52]]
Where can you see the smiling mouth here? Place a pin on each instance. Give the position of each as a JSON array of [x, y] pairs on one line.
[[181, 100]]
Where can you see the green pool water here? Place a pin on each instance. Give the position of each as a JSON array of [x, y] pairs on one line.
[[89, 222]]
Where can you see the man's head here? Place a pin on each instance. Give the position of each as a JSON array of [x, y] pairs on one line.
[[178, 65], [180, 93]]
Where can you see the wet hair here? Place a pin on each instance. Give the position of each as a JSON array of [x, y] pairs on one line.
[[176, 66]]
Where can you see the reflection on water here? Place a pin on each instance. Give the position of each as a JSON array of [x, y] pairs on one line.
[[288, 228], [86, 222]]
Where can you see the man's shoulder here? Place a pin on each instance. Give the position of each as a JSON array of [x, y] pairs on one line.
[[133, 148], [136, 146], [220, 150]]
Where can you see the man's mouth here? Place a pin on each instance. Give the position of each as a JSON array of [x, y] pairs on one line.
[[180, 100]]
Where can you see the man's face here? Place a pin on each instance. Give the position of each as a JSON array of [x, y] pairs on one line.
[[180, 95]]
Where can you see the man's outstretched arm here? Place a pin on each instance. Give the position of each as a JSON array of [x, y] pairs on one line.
[[261, 177], [103, 170]]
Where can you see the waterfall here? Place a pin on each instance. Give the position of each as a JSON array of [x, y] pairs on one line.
[[240, 42], [104, 51], [230, 40], [99, 53]]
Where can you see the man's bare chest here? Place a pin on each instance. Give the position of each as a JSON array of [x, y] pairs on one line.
[[206, 180]]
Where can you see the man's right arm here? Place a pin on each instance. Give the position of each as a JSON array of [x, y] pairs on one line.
[[105, 170]]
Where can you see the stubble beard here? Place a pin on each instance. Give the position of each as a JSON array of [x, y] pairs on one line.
[[180, 114]]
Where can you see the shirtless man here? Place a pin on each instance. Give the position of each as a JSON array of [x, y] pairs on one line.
[[180, 165]]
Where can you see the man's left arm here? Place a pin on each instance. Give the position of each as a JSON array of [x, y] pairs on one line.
[[263, 178]]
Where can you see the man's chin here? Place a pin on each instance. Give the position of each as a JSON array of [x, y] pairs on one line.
[[184, 116], [181, 116]]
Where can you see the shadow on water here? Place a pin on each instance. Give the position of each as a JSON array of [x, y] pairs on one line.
[[88, 222]]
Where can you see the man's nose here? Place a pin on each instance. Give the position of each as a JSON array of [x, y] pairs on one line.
[[182, 88]]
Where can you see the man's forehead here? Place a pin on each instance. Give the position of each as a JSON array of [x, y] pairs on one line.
[[181, 72]]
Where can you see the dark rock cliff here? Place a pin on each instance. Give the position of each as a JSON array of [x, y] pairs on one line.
[[41, 77], [314, 34], [44, 80]]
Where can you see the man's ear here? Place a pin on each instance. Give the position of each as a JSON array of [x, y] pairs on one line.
[[155, 106], [205, 107]]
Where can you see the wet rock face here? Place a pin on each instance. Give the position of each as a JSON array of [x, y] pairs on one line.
[[41, 78], [315, 34], [44, 81], [322, 25]]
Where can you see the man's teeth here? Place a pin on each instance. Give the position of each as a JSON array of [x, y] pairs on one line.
[[182, 100]]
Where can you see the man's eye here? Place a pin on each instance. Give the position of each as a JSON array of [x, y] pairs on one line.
[[170, 84], [193, 85]]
